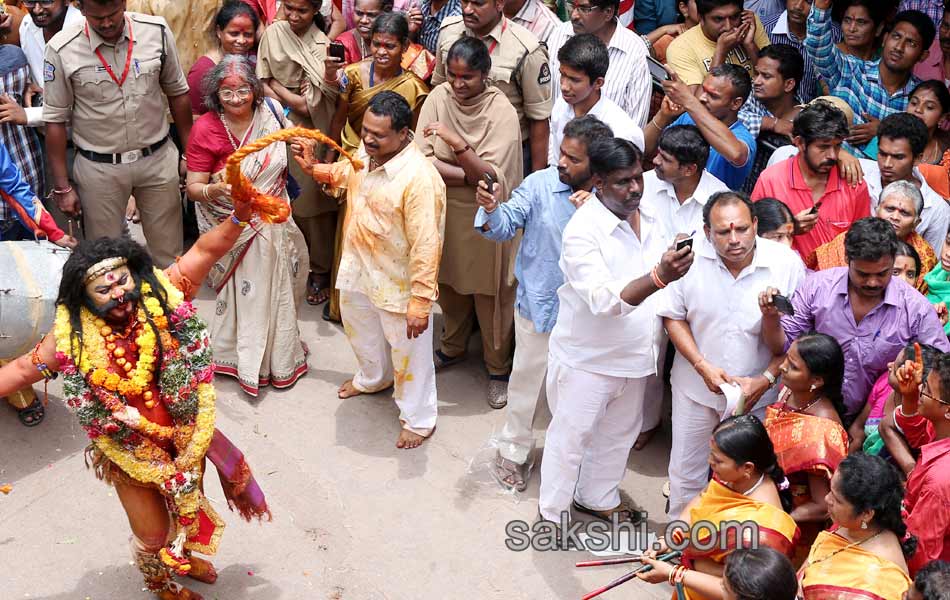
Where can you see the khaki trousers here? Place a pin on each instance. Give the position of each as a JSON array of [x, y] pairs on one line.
[[459, 312], [104, 191]]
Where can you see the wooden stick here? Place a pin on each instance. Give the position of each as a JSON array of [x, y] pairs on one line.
[[631, 575], [611, 561]]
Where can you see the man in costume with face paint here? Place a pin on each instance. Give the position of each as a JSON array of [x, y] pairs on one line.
[[136, 364], [719, 341]]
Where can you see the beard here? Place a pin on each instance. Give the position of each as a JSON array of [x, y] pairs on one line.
[[132, 296]]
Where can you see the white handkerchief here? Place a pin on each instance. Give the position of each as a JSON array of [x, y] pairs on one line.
[[735, 400]]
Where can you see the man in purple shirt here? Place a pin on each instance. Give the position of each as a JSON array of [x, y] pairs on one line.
[[871, 314]]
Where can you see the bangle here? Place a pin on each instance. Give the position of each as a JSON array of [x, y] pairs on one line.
[[204, 192], [770, 378], [463, 150], [237, 221], [653, 122], [656, 279], [680, 575], [58, 192], [41, 366]]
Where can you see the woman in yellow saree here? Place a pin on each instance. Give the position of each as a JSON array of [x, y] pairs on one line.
[[745, 499], [862, 556], [359, 84], [806, 430]]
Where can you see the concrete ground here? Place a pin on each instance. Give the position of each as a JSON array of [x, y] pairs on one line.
[[354, 518]]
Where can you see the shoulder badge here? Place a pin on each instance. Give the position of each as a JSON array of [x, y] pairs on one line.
[[544, 74], [49, 71], [344, 81]]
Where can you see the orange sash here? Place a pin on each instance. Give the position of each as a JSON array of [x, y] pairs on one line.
[[852, 574], [719, 504]]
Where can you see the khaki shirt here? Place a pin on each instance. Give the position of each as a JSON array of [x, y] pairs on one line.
[[80, 92], [519, 66]]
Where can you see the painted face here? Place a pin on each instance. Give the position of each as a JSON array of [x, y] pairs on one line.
[[465, 81], [112, 295], [621, 190], [732, 231], [870, 278], [481, 15], [300, 14], [783, 234], [236, 95], [44, 14], [573, 166], [721, 20], [905, 268], [238, 36], [107, 20], [795, 374], [900, 212], [587, 18], [895, 158], [925, 106], [387, 50], [576, 86]]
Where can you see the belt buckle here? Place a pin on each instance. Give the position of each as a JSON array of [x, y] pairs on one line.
[[131, 156]]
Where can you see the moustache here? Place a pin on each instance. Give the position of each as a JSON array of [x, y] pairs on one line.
[[102, 311], [829, 163]]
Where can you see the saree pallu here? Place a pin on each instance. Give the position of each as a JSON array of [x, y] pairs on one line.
[[407, 85], [719, 504], [851, 574], [830, 255], [260, 282], [805, 445]]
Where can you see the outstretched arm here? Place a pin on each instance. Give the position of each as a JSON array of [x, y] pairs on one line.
[[22, 372]]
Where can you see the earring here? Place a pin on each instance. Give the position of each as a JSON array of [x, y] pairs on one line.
[[864, 524], [812, 388]]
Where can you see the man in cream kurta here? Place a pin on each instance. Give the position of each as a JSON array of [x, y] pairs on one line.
[[388, 278]]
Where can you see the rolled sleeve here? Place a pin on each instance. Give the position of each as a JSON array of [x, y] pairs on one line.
[[57, 90], [173, 79], [34, 116], [535, 92], [507, 218], [334, 175], [585, 271]]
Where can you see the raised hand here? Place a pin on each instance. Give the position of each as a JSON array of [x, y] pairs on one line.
[[485, 198], [304, 152], [909, 377], [674, 263]]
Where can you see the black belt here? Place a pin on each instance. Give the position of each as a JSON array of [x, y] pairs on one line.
[[123, 157]]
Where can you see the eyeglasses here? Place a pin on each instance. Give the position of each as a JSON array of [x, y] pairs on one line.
[[29, 3], [932, 397], [240, 94], [585, 9]]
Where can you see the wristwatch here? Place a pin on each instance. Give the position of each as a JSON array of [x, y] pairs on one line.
[[771, 378]]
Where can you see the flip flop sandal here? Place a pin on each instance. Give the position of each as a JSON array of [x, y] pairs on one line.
[[634, 516], [32, 415], [509, 474], [318, 290]]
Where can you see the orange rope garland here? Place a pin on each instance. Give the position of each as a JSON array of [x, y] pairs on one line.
[[269, 208]]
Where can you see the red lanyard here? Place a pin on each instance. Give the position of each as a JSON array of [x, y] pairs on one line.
[[504, 23], [128, 56]]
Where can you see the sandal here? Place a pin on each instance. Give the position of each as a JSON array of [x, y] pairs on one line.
[[624, 513], [32, 415], [442, 360], [509, 474], [318, 289]]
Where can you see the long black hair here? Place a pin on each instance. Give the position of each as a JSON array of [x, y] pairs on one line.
[[823, 356], [72, 286], [870, 483], [760, 574], [743, 438]]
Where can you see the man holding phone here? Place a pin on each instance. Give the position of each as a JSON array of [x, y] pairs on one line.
[[713, 320]]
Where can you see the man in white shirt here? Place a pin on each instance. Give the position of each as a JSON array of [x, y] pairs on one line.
[[584, 61], [42, 22], [615, 256], [628, 81], [902, 138], [713, 319]]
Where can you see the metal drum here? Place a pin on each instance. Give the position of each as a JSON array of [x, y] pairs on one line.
[[29, 283]]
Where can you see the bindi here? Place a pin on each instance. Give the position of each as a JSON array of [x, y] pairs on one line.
[[110, 277]]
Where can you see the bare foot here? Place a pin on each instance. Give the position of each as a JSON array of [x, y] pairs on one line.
[[348, 390], [182, 594], [408, 440], [202, 570], [644, 438]]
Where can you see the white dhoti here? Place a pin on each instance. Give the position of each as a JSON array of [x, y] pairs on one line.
[[653, 398], [387, 357], [596, 420], [525, 390]]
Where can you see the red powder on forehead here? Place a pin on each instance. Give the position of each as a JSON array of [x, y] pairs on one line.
[[233, 78]]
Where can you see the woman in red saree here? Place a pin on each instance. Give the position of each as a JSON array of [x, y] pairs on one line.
[[862, 556], [747, 489], [805, 427]]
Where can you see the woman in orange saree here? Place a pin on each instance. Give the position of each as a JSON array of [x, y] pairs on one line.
[[902, 211], [805, 427], [745, 500], [862, 556]]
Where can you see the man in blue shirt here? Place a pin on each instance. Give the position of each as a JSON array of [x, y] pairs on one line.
[[21, 212], [715, 111], [541, 206]]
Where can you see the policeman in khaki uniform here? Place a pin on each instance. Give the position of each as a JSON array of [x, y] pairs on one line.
[[110, 91], [519, 67]]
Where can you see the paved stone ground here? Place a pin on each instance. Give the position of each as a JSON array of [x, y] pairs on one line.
[[354, 518]]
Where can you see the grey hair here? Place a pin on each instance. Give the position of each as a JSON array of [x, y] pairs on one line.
[[231, 64], [905, 189]]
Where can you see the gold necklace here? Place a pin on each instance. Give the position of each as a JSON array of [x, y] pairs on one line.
[[848, 547]]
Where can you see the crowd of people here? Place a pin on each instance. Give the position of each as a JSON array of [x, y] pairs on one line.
[[745, 205]]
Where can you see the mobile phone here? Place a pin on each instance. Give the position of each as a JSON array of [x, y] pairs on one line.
[[783, 305], [683, 243], [657, 71], [489, 180], [337, 51], [814, 209]]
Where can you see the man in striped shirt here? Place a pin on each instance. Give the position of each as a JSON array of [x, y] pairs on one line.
[[534, 16], [789, 28], [628, 81], [433, 13]]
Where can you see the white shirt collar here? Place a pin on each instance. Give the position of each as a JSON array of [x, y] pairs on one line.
[[708, 184], [607, 222], [781, 26]]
